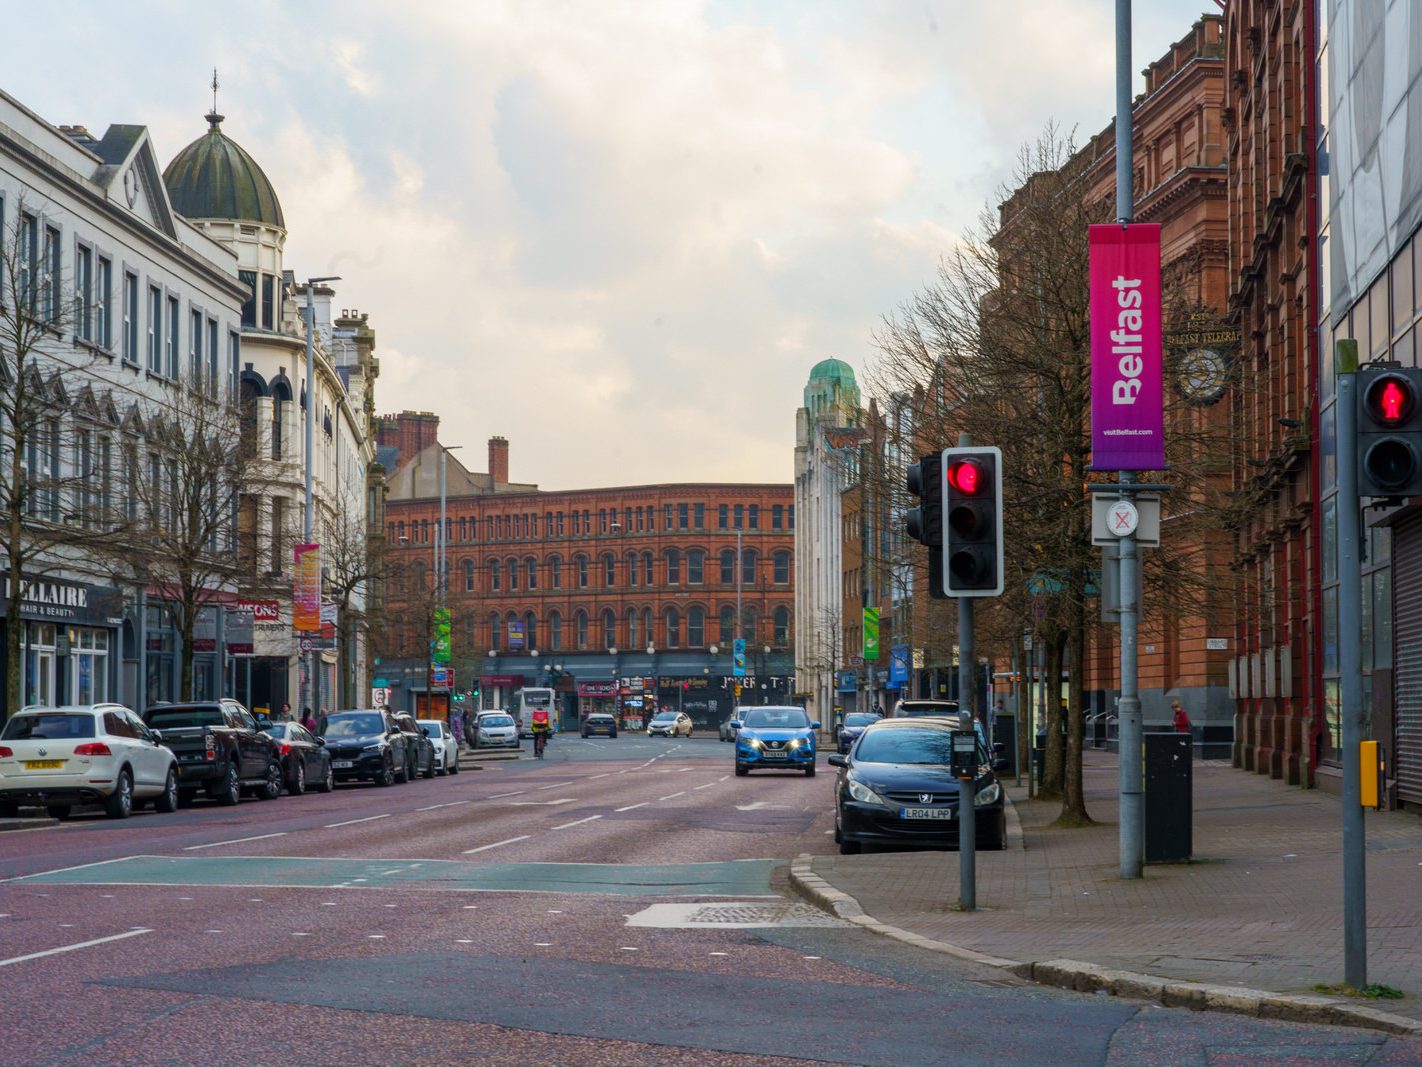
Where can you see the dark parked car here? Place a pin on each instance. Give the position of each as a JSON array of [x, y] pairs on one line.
[[367, 745], [600, 723], [304, 762], [895, 788], [219, 748], [419, 744], [914, 709], [852, 726]]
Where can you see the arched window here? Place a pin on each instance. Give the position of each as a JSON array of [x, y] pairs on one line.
[[632, 560], [673, 566], [530, 571], [468, 566], [696, 627], [582, 563], [425, 531], [496, 571], [728, 566], [496, 632], [580, 624], [419, 578], [513, 573], [609, 629], [469, 631], [748, 566], [728, 624], [695, 567], [782, 567], [633, 637], [673, 628], [609, 570], [555, 631], [647, 577], [782, 627], [530, 631], [647, 626], [555, 572]]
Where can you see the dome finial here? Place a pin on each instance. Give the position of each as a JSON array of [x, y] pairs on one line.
[[213, 118]]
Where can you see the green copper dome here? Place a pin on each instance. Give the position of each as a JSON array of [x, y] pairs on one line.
[[832, 390], [214, 178], [832, 370]]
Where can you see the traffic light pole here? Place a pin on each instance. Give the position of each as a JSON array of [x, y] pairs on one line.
[[1350, 671], [967, 788]]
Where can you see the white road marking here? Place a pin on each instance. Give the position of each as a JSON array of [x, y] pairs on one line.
[[723, 777], [451, 804], [628, 948], [629, 807], [470, 907], [669, 796], [352, 822], [556, 785], [708, 785], [496, 844], [500, 796], [720, 953], [212, 931], [543, 944], [234, 841], [78, 867], [809, 957], [539, 803], [82, 944], [463, 941], [577, 822], [65, 926], [376, 937]]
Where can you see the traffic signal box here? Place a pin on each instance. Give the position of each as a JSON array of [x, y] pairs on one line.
[[925, 522], [1389, 430], [972, 521]]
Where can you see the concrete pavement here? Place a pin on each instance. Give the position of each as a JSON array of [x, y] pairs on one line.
[[1251, 925]]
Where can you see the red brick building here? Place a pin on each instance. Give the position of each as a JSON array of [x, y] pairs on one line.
[[619, 596]]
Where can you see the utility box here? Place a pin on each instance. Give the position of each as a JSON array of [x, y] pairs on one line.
[[1004, 732], [1168, 797]]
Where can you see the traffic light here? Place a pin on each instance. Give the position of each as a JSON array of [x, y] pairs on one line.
[[972, 523], [1389, 430], [925, 522]]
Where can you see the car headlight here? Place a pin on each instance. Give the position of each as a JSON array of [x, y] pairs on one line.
[[379, 746], [751, 742], [987, 796], [796, 742], [862, 793]]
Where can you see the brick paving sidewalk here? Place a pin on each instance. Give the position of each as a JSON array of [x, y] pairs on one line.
[[1260, 906]]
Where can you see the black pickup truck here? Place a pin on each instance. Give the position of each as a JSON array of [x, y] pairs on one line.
[[219, 749]]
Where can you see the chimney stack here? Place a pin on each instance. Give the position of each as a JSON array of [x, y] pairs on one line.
[[499, 460]]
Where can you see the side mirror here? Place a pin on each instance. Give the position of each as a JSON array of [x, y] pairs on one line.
[[836, 760], [814, 726], [425, 730], [735, 724], [320, 740], [1001, 763], [157, 736], [998, 748]]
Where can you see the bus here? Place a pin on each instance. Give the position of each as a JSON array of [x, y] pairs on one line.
[[528, 700]]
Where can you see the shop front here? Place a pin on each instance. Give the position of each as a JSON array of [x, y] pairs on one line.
[[69, 641], [595, 697]]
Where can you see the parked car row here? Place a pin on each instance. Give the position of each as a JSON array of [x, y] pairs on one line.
[[106, 754]]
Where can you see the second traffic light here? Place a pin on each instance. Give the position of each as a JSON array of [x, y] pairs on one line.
[[972, 521], [1389, 430], [925, 522]]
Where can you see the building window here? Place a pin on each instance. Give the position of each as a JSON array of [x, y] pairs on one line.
[[696, 627], [723, 519], [647, 578], [50, 297], [513, 573], [560, 524], [698, 516], [777, 516], [673, 628], [609, 571], [782, 568], [496, 572], [695, 567], [792, 516], [530, 631], [754, 521], [468, 575], [555, 631], [496, 632], [268, 299], [647, 627], [213, 358], [740, 515], [155, 329], [633, 641], [582, 564], [632, 559], [84, 293], [248, 278], [234, 362], [609, 629], [530, 570], [555, 572], [782, 627], [728, 566], [195, 348], [668, 519], [174, 318], [682, 516], [580, 625], [749, 628], [103, 294], [27, 252], [727, 621], [130, 317], [748, 565], [673, 566]]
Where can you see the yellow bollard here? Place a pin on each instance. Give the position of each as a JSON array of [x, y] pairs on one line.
[[1369, 774]]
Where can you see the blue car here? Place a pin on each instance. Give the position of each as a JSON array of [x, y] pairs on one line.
[[853, 725], [775, 737]]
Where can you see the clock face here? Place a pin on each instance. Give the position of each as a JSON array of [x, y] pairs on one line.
[[1203, 375], [130, 186]]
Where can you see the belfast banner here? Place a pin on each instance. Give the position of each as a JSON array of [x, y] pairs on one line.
[[307, 593], [1127, 405]]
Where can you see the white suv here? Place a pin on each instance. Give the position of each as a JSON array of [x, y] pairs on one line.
[[92, 754]]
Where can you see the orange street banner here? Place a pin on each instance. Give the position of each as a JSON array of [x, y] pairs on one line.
[[306, 598]]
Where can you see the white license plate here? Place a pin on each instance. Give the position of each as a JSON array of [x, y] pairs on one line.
[[775, 755], [926, 813], [342, 764]]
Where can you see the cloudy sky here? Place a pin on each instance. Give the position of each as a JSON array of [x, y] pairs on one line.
[[618, 233]]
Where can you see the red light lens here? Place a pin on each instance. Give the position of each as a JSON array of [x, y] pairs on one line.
[[1392, 401], [965, 477], [95, 748], [6, 751], [284, 749]]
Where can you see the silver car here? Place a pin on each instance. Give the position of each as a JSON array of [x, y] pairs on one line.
[[495, 729], [446, 745]]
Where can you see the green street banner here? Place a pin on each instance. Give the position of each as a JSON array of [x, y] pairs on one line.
[[440, 651], [871, 633]]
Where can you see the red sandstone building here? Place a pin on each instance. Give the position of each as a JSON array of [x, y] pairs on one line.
[[622, 598]]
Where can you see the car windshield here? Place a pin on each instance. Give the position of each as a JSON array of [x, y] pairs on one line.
[[859, 718], [166, 718], [496, 720], [600, 718], [355, 724], [56, 727], [276, 729], [665, 716], [776, 719], [433, 727], [906, 746]]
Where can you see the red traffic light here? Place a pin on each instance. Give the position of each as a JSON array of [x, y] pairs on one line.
[[1390, 400], [966, 477]]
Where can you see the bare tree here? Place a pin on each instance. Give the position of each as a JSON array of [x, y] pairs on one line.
[[354, 559]]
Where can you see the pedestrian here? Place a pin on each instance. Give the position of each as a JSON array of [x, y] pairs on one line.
[[1182, 721], [308, 720], [285, 714]]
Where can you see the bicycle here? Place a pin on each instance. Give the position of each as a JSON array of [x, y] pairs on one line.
[[540, 742]]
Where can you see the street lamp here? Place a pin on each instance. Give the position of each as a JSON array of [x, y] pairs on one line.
[[309, 520]]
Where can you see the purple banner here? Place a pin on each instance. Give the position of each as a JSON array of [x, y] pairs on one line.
[[1127, 404]]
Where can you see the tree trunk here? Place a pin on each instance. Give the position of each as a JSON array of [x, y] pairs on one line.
[[14, 631], [1052, 698], [1074, 795]]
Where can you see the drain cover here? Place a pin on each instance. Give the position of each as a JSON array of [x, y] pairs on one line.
[[731, 914]]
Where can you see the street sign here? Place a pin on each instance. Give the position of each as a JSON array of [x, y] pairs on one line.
[[1104, 530], [440, 652], [738, 657], [871, 633], [380, 697], [1122, 518]]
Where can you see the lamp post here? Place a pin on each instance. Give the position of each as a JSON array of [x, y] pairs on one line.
[[309, 518], [441, 568]]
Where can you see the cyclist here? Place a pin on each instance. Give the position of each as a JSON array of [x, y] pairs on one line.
[[542, 730]]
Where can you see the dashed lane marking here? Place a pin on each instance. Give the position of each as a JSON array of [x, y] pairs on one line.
[[500, 796], [233, 841], [352, 822], [629, 807], [75, 947], [451, 804], [577, 822], [670, 796], [497, 844]]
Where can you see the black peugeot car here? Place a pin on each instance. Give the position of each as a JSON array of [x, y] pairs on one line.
[[895, 788], [368, 744]]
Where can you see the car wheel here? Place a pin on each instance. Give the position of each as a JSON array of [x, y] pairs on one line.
[[386, 777], [230, 791], [612, 736], [454, 767], [271, 786], [741, 770], [9, 810], [120, 802], [810, 771], [58, 811], [407, 772], [328, 783], [296, 781], [167, 801], [430, 771]]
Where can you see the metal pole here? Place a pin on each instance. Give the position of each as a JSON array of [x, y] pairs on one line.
[[141, 694], [309, 516], [967, 716], [1132, 770], [739, 565], [1350, 672]]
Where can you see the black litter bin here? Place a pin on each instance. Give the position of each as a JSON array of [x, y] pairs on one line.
[[1004, 732], [1039, 756], [1168, 791]]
